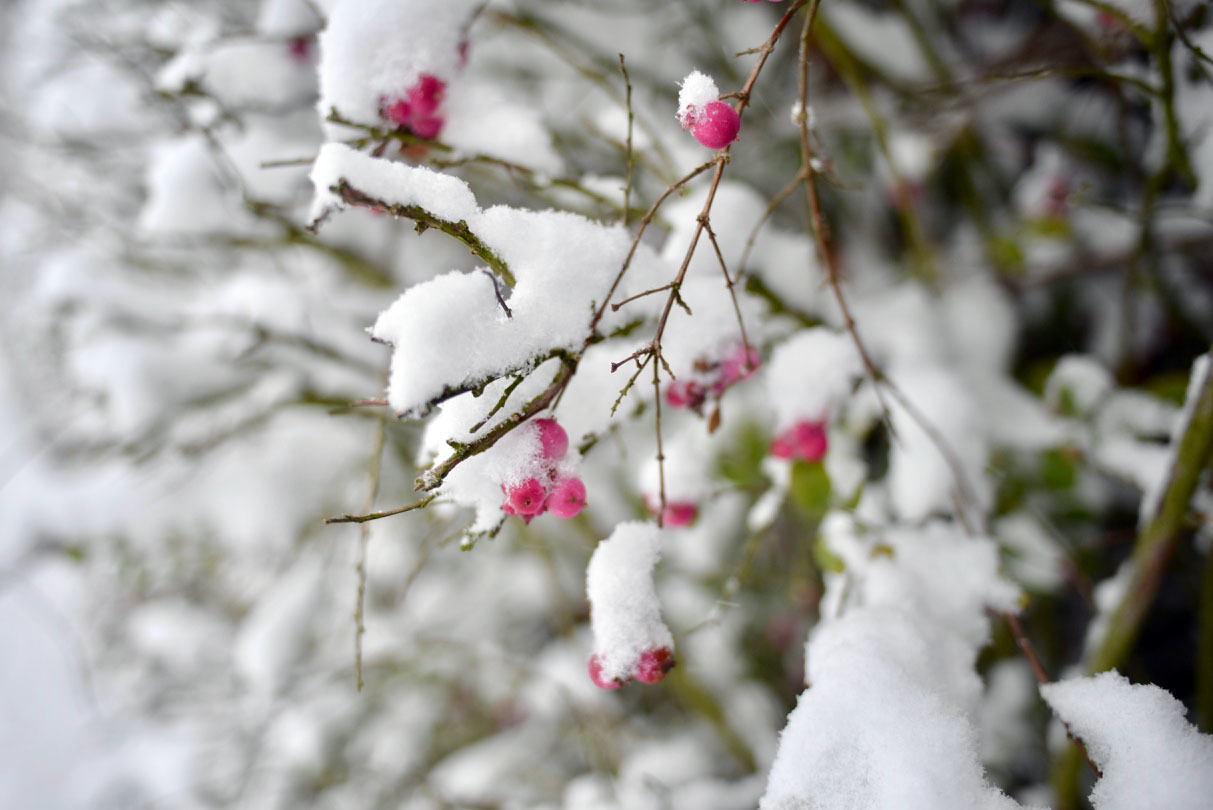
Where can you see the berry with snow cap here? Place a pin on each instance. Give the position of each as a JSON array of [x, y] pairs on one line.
[[552, 437], [527, 498], [654, 664], [595, 669]]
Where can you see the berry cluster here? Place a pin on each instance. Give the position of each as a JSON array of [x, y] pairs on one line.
[[805, 440], [417, 111], [563, 496], [713, 378], [651, 667]]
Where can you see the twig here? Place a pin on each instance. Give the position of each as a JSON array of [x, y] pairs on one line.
[[364, 539], [1029, 653], [424, 219], [386, 513], [627, 186]]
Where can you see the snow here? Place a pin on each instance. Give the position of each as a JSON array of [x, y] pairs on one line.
[[624, 612], [886, 721], [1138, 735], [695, 92], [373, 50], [810, 375]]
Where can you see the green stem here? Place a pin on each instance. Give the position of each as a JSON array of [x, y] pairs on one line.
[[1156, 543]]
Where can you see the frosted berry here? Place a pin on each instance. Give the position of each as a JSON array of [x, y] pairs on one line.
[[654, 664], [552, 437], [738, 366], [418, 110], [717, 126], [804, 440], [595, 668], [567, 498], [684, 394], [525, 499]]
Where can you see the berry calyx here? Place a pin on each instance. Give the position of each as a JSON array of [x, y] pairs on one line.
[[595, 669], [717, 125], [525, 499], [804, 440], [553, 438], [654, 664], [567, 498]]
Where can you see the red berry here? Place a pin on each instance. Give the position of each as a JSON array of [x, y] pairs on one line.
[[567, 498], [804, 440], [595, 668], [684, 394], [398, 113], [525, 499], [717, 126], [553, 438], [679, 513], [426, 95], [654, 664]]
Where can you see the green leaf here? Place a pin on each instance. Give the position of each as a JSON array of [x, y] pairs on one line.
[[810, 488]]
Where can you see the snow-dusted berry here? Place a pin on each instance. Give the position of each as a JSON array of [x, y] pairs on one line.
[[595, 669], [804, 440], [685, 394], [738, 366], [553, 438], [567, 498], [654, 664], [525, 499], [417, 111], [717, 125]]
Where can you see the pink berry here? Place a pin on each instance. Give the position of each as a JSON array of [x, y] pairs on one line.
[[552, 437], [526, 499], [426, 95], [684, 394], [300, 48], [717, 126], [679, 513], [567, 498], [738, 366], [398, 113], [804, 440], [595, 668], [654, 664]]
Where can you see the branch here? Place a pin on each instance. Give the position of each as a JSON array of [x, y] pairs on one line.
[[424, 219], [386, 513]]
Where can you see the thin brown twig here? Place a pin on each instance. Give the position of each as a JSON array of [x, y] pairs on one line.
[[627, 185], [1029, 653], [385, 513], [729, 284]]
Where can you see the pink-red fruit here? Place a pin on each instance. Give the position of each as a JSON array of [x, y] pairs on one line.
[[717, 126], [553, 438], [595, 668], [418, 110], [525, 499], [679, 513], [654, 664], [685, 394], [567, 498], [804, 440]]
